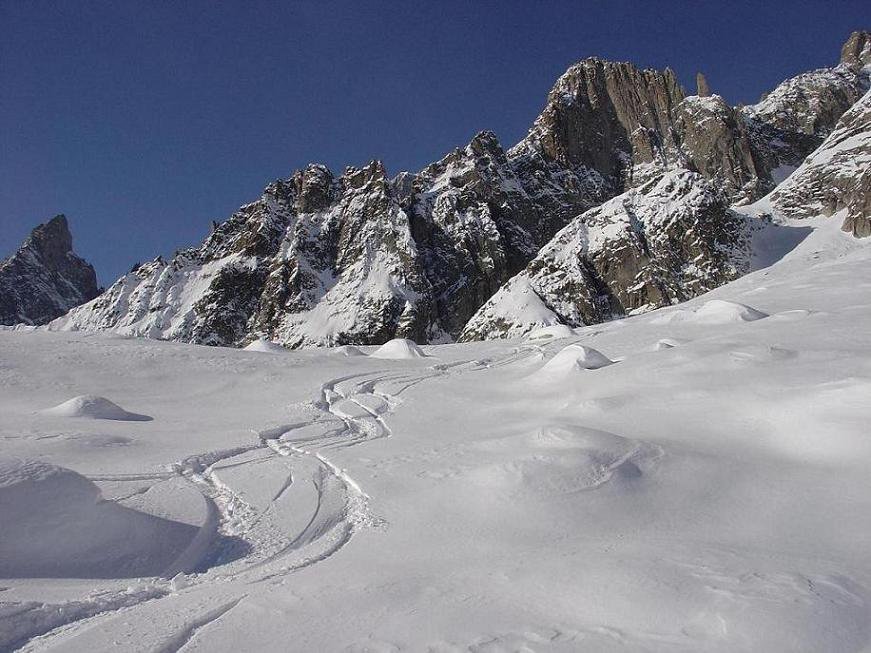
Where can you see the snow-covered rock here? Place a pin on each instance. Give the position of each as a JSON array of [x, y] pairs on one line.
[[793, 120], [44, 278], [836, 177], [662, 243]]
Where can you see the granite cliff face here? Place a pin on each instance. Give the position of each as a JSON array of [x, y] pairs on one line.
[[796, 117], [44, 278], [621, 165], [836, 177]]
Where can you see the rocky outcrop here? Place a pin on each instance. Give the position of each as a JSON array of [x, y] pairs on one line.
[[659, 244], [44, 278], [631, 126], [793, 120], [702, 88], [836, 177]]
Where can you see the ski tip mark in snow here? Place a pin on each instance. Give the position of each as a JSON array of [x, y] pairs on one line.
[[668, 343], [94, 407], [549, 333], [178, 640]]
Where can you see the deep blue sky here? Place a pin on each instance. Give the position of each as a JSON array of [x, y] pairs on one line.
[[143, 121]]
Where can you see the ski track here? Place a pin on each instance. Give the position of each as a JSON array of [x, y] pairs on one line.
[[340, 506]]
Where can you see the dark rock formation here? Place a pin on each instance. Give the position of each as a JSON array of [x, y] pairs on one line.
[[44, 278], [836, 177]]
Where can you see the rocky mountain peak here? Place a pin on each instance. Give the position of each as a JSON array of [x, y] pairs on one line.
[[857, 50], [51, 240], [314, 188], [44, 278]]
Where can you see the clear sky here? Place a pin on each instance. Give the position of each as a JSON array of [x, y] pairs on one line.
[[144, 121]]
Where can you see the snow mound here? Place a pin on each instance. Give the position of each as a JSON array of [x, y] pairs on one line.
[[94, 407], [347, 350], [553, 332], [719, 311], [265, 346], [56, 525], [562, 459], [713, 312], [573, 358], [398, 348]]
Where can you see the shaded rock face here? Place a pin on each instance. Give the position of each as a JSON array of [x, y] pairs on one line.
[[794, 119], [836, 177], [659, 244], [362, 258], [44, 278], [631, 126]]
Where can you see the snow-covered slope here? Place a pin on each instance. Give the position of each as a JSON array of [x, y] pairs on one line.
[[44, 278], [707, 491]]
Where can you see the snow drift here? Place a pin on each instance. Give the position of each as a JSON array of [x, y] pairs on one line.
[[94, 407]]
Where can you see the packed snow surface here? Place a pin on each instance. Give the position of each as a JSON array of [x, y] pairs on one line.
[[709, 492], [93, 407], [398, 348]]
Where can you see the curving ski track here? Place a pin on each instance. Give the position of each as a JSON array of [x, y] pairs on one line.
[[251, 539]]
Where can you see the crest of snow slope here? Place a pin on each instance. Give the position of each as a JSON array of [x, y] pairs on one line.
[[94, 407], [653, 246], [836, 177], [44, 278]]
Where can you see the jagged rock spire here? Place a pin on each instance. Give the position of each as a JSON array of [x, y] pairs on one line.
[[44, 278], [857, 50], [702, 88]]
